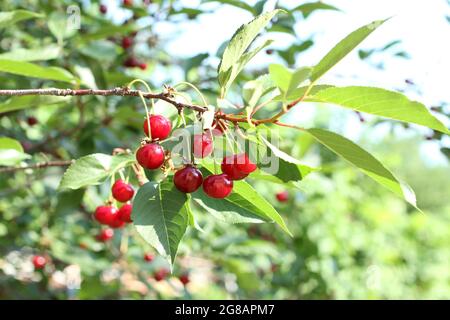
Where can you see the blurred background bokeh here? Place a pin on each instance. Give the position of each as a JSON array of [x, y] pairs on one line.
[[352, 238]]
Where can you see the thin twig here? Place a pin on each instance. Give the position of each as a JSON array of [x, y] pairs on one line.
[[38, 165], [124, 91]]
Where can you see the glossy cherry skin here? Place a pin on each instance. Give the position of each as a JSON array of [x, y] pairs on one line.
[[203, 145], [282, 196], [117, 222], [229, 167], [103, 9], [160, 127], [127, 42], [161, 274], [105, 235], [122, 191], [188, 179], [39, 262], [148, 257], [125, 213], [150, 156], [218, 186], [243, 163], [184, 278], [106, 214]]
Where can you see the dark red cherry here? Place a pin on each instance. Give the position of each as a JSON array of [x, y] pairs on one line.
[[105, 235], [125, 212], [188, 179], [105, 214], [282, 196], [39, 262], [117, 222], [203, 145], [103, 9], [150, 156], [149, 257], [244, 164], [184, 278], [161, 274], [127, 3], [160, 127], [218, 186], [127, 42], [229, 167], [131, 62], [122, 191], [32, 121]]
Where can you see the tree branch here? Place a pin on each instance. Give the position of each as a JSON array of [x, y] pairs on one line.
[[124, 91], [38, 165]]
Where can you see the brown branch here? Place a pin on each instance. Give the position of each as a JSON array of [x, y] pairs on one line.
[[124, 91], [38, 165]]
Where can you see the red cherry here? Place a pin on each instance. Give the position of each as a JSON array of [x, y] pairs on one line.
[[39, 262], [160, 127], [122, 191], [282, 196], [125, 213], [117, 222], [32, 121], [106, 214], [131, 62], [218, 186], [143, 66], [105, 235], [188, 179], [127, 3], [161, 274], [184, 278], [203, 145], [148, 257], [244, 164], [127, 42], [229, 167], [150, 156], [103, 9]]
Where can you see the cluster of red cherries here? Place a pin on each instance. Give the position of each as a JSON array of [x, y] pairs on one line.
[[112, 217], [151, 155]]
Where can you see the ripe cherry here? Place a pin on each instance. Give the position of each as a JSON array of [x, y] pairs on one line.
[[282, 196], [122, 191], [105, 235], [125, 213], [243, 163], [117, 222], [188, 179], [150, 156], [106, 214], [229, 167], [32, 121], [127, 3], [103, 9], [148, 257], [218, 186], [184, 278], [127, 42], [203, 145], [161, 274], [39, 262], [160, 127], [131, 62], [143, 66]]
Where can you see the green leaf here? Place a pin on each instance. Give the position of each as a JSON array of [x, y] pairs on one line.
[[233, 58], [289, 169], [28, 69], [93, 170], [380, 102], [36, 54], [308, 8], [25, 102], [160, 215], [343, 48], [60, 26], [254, 90], [244, 201], [286, 80], [363, 161], [11, 152], [11, 17]]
